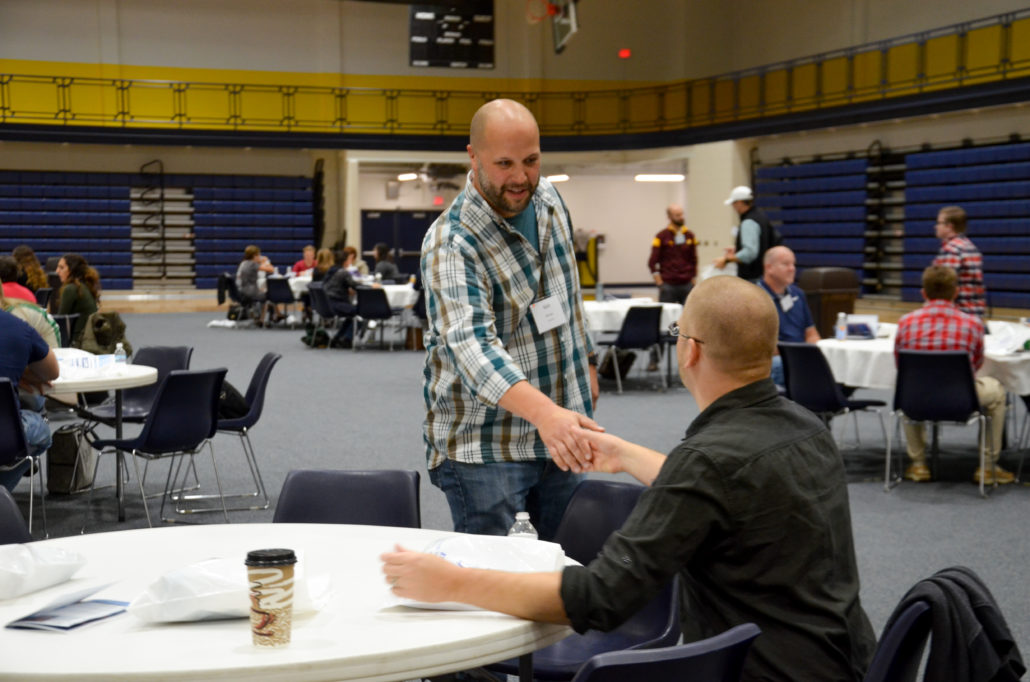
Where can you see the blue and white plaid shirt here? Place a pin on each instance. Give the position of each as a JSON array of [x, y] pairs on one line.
[[481, 276]]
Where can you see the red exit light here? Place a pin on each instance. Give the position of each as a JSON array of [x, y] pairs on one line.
[[625, 53], [438, 200]]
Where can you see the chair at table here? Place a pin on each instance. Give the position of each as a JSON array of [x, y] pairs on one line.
[[900, 649], [136, 402], [14, 449], [280, 293], [327, 317], [936, 387], [1023, 441], [373, 498], [596, 510], [183, 418], [810, 383], [640, 330], [66, 324], [373, 306], [12, 524], [716, 659], [249, 309], [43, 296]]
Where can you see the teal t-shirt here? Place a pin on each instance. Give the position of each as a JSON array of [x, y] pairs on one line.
[[525, 223]]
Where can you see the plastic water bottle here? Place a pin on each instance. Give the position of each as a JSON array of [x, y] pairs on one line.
[[119, 354], [841, 327], [522, 528]]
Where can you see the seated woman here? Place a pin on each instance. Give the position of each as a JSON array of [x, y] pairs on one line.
[[385, 269], [80, 291], [324, 261], [248, 280], [30, 272], [9, 277], [355, 264]]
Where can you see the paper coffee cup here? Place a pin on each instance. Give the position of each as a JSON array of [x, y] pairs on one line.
[[270, 573]]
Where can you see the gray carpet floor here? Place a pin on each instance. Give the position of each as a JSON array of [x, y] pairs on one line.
[[363, 410]]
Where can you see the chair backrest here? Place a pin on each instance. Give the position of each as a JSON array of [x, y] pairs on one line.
[[419, 309], [13, 446], [373, 304], [596, 509], [184, 413], [255, 394], [66, 323], [640, 327], [12, 524], [279, 290], [223, 287], [900, 649], [716, 659], [320, 301], [165, 359], [43, 296], [373, 498], [809, 379], [232, 289], [935, 386]]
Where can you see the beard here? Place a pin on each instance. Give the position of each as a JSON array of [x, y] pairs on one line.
[[496, 197]]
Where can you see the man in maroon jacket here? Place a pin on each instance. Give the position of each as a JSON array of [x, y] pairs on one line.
[[673, 262]]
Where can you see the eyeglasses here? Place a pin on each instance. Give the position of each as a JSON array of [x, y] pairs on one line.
[[674, 330]]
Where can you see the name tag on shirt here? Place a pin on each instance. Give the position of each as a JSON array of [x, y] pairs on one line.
[[547, 314], [786, 302], [680, 239]]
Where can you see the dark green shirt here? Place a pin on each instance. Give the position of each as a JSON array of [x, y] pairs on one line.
[[76, 298], [751, 511]]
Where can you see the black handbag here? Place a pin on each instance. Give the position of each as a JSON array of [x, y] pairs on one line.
[[70, 461]]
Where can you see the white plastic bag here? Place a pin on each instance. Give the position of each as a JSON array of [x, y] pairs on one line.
[[216, 589], [710, 271], [31, 567], [495, 552]]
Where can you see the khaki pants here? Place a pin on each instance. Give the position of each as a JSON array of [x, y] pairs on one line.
[[991, 395]]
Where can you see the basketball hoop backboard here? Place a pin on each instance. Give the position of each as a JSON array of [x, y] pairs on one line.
[[564, 23]]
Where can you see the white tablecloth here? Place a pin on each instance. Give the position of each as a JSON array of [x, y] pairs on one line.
[[870, 363], [607, 316], [399, 295]]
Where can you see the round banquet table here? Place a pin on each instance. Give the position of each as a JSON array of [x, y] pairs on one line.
[[607, 316], [356, 636]]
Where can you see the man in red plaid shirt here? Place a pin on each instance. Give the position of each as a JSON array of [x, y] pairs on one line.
[[940, 325], [958, 253]]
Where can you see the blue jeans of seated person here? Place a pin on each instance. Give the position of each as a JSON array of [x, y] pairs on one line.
[[777, 371], [485, 497], [38, 437]]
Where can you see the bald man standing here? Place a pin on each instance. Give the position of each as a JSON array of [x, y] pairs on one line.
[[673, 260], [509, 380], [750, 511]]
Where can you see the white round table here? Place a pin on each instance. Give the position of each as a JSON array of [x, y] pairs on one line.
[[607, 316], [354, 637]]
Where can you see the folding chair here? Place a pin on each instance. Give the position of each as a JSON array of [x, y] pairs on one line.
[[14, 449], [373, 498], [43, 296], [640, 330], [66, 323], [373, 306], [12, 524], [280, 293]]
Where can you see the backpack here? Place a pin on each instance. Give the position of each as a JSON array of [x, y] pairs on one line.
[[103, 332]]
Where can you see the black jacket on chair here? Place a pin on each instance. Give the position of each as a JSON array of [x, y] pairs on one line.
[[971, 640]]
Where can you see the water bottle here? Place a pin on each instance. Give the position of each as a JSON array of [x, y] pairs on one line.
[[841, 326], [119, 354], [522, 528]]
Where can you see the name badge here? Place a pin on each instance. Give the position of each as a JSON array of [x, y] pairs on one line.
[[547, 314], [786, 302], [680, 239]]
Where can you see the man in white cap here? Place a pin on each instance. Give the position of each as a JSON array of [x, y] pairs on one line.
[[755, 236]]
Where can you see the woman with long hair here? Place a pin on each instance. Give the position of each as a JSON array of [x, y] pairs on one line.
[[30, 272], [80, 291]]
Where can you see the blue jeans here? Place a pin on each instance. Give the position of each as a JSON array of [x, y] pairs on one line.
[[777, 371], [484, 497], [38, 437]]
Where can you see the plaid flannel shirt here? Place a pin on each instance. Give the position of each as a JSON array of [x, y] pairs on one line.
[[940, 325], [959, 254], [481, 276]]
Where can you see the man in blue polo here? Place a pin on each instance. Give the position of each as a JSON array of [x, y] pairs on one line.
[[796, 323]]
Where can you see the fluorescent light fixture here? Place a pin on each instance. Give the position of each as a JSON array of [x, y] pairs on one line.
[[561, 177], [660, 177], [404, 177]]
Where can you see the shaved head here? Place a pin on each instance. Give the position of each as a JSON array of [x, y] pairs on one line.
[[504, 151], [675, 213], [737, 322], [502, 113]]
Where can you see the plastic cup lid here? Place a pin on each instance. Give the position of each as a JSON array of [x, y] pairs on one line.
[[271, 557]]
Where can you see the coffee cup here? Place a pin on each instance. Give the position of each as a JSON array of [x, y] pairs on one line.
[[270, 574]]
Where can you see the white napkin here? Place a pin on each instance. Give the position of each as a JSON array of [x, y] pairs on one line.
[[31, 567], [215, 589], [1002, 339]]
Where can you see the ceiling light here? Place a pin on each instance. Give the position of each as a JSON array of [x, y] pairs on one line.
[[405, 177], [561, 177], [660, 177]]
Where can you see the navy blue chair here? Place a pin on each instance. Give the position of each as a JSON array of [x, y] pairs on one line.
[[12, 524], [900, 649], [810, 383], [280, 293], [373, 498], [43, 296], [716, 659], [136, 402], [373, 307], [183, 418], [66, 324], [640, 330], [14, 449], [327, 317], [596, 510], [935, 387]]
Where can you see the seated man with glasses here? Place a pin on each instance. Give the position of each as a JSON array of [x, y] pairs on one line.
[[750, 511]]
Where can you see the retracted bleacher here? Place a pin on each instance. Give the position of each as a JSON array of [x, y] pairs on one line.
[[992, 184], [819, 208]]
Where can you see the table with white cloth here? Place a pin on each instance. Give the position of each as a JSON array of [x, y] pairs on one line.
[[399, 295], [78, 377], [607, 316], [356, 635], [869, 363]]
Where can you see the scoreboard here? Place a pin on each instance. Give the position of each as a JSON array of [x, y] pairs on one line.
[[454, 37]]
